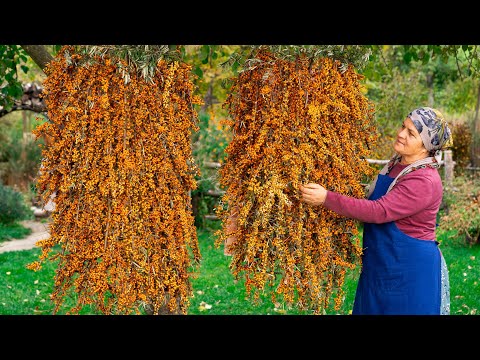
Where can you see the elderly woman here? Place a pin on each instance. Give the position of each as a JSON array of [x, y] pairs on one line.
[[403, 270]]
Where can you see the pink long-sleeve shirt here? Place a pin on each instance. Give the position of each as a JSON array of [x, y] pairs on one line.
[[413, 203]]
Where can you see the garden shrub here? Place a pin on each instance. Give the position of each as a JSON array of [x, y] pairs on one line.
[[12, 205], [462, 141], [462, 209]]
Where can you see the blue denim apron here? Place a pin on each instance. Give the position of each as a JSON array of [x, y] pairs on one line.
[[401, 275]]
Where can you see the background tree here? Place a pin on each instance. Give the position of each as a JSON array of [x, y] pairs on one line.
[[20, 98], [402, 77], [10, 86], [213, 136]]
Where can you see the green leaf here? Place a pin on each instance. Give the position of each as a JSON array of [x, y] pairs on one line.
[[407, 57], [10, 76], [183, 52], [16, 90], [235, 66], [9, 62], [197, 71], [437, 49], [426, 58], [57, 48], [24, 68], [204, 53], [7, 105]]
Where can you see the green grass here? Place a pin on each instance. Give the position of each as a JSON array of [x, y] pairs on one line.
[[13, 231], [463, 264], [25, 292], [217, 293]]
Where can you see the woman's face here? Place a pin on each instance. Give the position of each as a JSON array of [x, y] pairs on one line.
[[408, 143]]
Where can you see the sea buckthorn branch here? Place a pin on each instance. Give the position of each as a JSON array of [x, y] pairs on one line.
[[294, 120], [121, 166]]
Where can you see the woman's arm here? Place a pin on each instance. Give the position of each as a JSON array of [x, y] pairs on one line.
[[410, 195]]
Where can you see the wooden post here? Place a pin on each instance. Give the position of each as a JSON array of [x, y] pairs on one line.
[[449, 164]]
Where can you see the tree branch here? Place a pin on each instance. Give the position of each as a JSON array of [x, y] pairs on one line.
[[39, 55], [30, 100]]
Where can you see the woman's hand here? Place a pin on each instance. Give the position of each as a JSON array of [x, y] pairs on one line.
[[313, 194]]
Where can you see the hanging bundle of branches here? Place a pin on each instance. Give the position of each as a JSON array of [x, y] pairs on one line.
[[120, 165], [294, 120]]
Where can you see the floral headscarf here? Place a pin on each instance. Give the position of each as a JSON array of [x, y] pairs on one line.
[[433, 129], [436, 136]]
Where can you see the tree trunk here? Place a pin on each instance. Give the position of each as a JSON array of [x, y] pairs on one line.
[[23, 155], [448, 166], [477, 107], [39, 55], [476, 133], [431, 98]]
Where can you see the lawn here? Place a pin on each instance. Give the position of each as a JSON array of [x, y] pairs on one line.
[[216, 292]]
